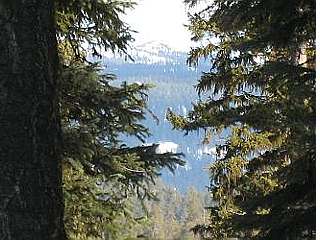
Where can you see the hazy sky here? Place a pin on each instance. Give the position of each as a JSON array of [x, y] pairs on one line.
[[160, 20]]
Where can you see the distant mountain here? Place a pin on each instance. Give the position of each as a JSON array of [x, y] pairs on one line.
[[152, 58], [174, 81], [150, 53]]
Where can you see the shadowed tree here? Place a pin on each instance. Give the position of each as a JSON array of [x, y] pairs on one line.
[[31, 204], [94, 114]]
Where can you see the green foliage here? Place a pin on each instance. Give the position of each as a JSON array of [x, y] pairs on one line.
[[96, 24], [262, 87], [94, 114], [100, 172]]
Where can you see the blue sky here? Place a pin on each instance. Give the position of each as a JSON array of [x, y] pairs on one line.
[[160, 20]]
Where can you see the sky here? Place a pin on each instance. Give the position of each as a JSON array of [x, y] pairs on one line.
[[160, 20]]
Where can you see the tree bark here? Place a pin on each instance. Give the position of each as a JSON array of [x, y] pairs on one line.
[[31, 202]]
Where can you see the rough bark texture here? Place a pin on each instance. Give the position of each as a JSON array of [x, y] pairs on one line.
[[31, 203]]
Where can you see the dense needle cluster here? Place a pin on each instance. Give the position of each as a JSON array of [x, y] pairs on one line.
[[261, 87], [101, 173]]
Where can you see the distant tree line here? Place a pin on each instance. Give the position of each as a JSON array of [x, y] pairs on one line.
[[170, 217]]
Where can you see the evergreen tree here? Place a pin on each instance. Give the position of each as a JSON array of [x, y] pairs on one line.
[[94, 154], [195, 212], [172, 215], [101, 173], [262, 87], [163, 213], [31, 204]]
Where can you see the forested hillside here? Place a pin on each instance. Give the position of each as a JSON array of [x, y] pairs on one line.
[[172, 88], [170, 217]]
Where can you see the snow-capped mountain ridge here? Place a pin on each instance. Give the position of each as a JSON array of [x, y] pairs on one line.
[[155, 47], [150, 53]]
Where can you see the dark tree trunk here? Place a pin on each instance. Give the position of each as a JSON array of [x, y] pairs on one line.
[[31, 203]]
